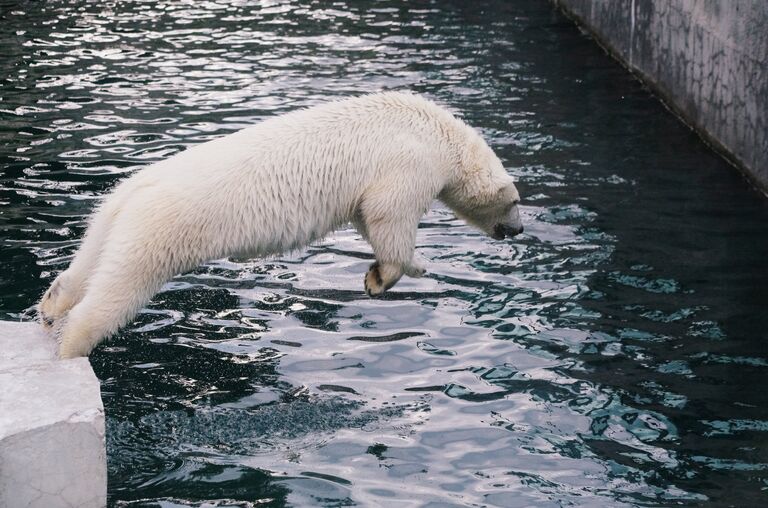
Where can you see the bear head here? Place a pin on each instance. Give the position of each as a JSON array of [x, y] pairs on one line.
[[482, 193]]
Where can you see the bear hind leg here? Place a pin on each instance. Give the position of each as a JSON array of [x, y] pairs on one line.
[[111, 300], [61, 296], [123, 281], [69, 286]]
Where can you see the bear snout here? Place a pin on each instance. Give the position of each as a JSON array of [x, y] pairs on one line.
[[500, 231]]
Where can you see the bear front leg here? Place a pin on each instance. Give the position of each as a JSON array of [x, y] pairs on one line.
[[391, 230]]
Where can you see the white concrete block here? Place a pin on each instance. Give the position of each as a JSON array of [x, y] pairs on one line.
[[52, 450]]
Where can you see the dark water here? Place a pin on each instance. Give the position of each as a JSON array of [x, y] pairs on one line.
[[614, 355]]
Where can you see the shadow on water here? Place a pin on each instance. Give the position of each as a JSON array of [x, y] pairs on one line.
[[611, 355]]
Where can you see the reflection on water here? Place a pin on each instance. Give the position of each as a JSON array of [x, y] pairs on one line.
[[612, 355]]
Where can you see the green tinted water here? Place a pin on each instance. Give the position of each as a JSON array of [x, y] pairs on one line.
[[612, 355]]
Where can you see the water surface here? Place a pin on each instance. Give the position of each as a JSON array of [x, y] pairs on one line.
[[613, 355]]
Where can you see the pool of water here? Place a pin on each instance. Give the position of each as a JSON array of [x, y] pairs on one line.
[[613, 355]]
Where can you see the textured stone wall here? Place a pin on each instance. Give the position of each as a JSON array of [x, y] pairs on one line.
[[708, 59]]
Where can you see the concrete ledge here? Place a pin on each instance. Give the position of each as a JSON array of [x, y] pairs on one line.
[[52, 450], [706, 59]]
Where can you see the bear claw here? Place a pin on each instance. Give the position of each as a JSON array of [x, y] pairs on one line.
[[374, 284], [416, 271]]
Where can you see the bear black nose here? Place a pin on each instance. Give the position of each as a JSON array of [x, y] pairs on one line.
[[500, 231]]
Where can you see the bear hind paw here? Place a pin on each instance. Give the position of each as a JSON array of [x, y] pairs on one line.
[[50, 309]]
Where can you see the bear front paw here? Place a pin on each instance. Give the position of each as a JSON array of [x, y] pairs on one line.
[[374, 284], [416, 269], [381, 277]]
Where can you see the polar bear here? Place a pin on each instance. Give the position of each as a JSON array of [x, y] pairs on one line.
[[377, 161]]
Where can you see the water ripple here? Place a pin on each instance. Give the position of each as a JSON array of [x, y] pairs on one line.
[[608, 356]]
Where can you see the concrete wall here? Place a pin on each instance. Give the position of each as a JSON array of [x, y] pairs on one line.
[[708, 59], [52, 452]]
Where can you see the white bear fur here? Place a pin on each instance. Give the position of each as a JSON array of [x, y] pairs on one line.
[[377, 161]]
